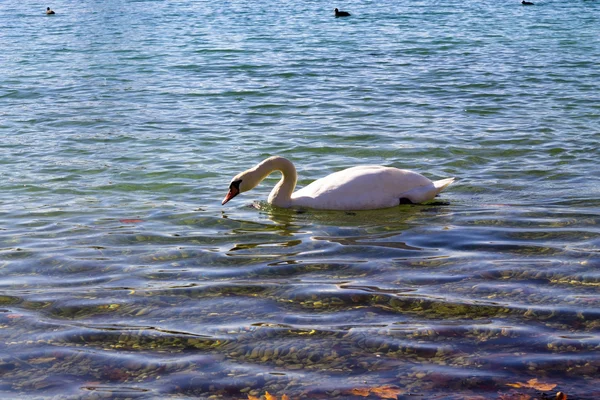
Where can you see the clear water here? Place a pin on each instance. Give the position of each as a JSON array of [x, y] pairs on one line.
[[122, 123]]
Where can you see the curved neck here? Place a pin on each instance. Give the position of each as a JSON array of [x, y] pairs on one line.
[[282, 192]]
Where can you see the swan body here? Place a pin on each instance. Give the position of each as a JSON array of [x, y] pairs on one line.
[[366, 187]]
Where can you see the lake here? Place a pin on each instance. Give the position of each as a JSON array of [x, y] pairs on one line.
[[122, 276]]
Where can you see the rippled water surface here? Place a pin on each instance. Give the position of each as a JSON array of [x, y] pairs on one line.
[[122, 276]]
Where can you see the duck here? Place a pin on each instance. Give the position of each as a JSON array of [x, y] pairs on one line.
[[49, 11], [339, 13], [367, 187], [527, 3]]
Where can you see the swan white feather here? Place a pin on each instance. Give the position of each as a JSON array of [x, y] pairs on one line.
[[366, 187]]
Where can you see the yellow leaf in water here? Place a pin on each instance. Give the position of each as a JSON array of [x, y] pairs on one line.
[[533, 384], [364, 392], [285, 397], [269, 396], [386, 392], [250, 397]]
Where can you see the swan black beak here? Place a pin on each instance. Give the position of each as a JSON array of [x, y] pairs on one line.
[[234, 190]]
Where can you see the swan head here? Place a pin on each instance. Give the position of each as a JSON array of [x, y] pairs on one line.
[[234, 190], [241, 183], [250, 178]]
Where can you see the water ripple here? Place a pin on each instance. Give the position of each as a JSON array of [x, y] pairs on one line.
[[122, 276]]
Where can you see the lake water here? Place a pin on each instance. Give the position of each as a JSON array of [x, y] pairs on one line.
[[123, 122]]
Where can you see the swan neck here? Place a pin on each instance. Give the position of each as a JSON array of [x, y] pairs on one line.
[[281, 194]]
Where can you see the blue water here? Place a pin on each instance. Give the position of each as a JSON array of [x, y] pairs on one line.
[[123, 122]]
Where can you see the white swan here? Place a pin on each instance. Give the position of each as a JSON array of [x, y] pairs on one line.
[[366, 187]]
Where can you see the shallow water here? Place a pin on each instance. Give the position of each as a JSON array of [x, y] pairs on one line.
[[122, 276]]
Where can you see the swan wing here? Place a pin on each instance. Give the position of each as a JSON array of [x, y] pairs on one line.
[[365, 188]]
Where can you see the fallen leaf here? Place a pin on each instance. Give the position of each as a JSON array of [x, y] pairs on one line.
[[14, 316], [250, 397], [364, 392], [130, 221], [533, 384], [561, 396], [286, 397], [269, 396], [386, 392], [383, 392]]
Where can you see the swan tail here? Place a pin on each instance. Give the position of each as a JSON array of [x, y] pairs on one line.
[[425, 193], [442, 184]]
